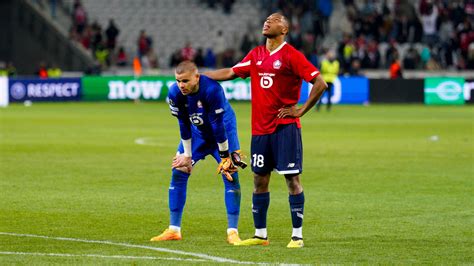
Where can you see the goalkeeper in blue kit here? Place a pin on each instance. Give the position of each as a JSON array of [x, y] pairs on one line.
[[207, 126]]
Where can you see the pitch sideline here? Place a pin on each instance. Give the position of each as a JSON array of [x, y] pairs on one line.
[[105, 242], [98, 256]]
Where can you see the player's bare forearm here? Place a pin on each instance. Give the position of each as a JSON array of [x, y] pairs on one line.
[[319, 86], [221, 74]]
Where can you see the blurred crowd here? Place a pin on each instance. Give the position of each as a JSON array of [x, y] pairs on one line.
[[424, 34], [376, 34]]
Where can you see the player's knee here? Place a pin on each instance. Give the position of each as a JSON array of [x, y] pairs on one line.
[[184, 169], [261, 183]]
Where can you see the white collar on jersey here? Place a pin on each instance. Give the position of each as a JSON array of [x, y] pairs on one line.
[[278, 48]]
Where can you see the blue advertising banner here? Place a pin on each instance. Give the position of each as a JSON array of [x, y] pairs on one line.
[[346, 90], [61, 89]]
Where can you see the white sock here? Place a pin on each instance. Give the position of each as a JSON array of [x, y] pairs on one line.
[[297, 232], [175, 228], [262, 232], [232, 229]]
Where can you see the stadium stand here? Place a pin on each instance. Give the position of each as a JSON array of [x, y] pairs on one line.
[[171, 24], [435, 35]]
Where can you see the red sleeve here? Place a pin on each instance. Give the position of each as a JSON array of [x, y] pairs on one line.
[[302, 67], [242, 69]]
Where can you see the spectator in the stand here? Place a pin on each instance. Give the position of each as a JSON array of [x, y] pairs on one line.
[[102, 55], [412, 58], [199, 58], [329, 71], [11, 69], [345, 51], [355, 68], [42, 71], [152, 58], [112, 32], [95, 69], [122, 57], [389, 53], [54, 71], [396, 68], [227, 6], [228, 58], [428, 19], [97, 38], [371, 57], [3, 69], [425, 56], [79, 17], [210, 59], [86, 37], [294, 37], [220, 47], [53, 6], [248, 42], [470, 56], [325, 9], [143, 43], [175, 58], [188, 52]]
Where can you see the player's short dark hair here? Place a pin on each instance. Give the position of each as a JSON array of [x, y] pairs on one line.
[[186, 66]]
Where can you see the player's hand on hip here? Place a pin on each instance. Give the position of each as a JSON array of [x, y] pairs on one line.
[[183, 163], [291, 111]]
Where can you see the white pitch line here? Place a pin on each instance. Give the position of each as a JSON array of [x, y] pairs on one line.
[[198, 255], [98, 256]]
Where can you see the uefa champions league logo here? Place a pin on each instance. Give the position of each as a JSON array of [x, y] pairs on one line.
[[18, 91]]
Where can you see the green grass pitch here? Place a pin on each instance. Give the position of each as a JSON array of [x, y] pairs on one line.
[[384, 184]]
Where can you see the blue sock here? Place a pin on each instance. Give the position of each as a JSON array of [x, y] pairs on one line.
[[232, 200], [297, 209], [177, 196], [260, 204]]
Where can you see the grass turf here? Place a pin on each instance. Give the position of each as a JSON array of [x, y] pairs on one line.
[[383, 184]]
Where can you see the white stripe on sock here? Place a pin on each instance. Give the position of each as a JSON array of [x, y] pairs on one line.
[[262, 232], [297, 232]]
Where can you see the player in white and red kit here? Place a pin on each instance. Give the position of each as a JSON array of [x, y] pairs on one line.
[[276, 70]]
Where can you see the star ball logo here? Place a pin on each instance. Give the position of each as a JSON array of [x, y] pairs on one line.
[[18, 91]]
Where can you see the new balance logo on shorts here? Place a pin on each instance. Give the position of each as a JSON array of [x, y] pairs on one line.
[[291, 165]]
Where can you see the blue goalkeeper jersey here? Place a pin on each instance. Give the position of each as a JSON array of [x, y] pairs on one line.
[[205, 114]]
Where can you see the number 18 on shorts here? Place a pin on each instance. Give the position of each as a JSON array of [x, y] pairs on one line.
[[281, 151]]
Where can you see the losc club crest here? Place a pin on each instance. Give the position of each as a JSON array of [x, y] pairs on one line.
[[18, 91], [277, 64], [199, 104]]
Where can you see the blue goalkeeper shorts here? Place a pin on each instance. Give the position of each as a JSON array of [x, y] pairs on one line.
[[281, 151], [202, 146]]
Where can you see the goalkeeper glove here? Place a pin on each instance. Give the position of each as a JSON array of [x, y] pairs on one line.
[[228, 164]]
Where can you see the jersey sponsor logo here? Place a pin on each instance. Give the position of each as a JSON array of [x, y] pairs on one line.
[[266, 80], [277, 64], [220, 110]]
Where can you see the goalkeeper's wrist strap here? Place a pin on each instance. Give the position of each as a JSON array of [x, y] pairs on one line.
[[224, 149], [187, 147]]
